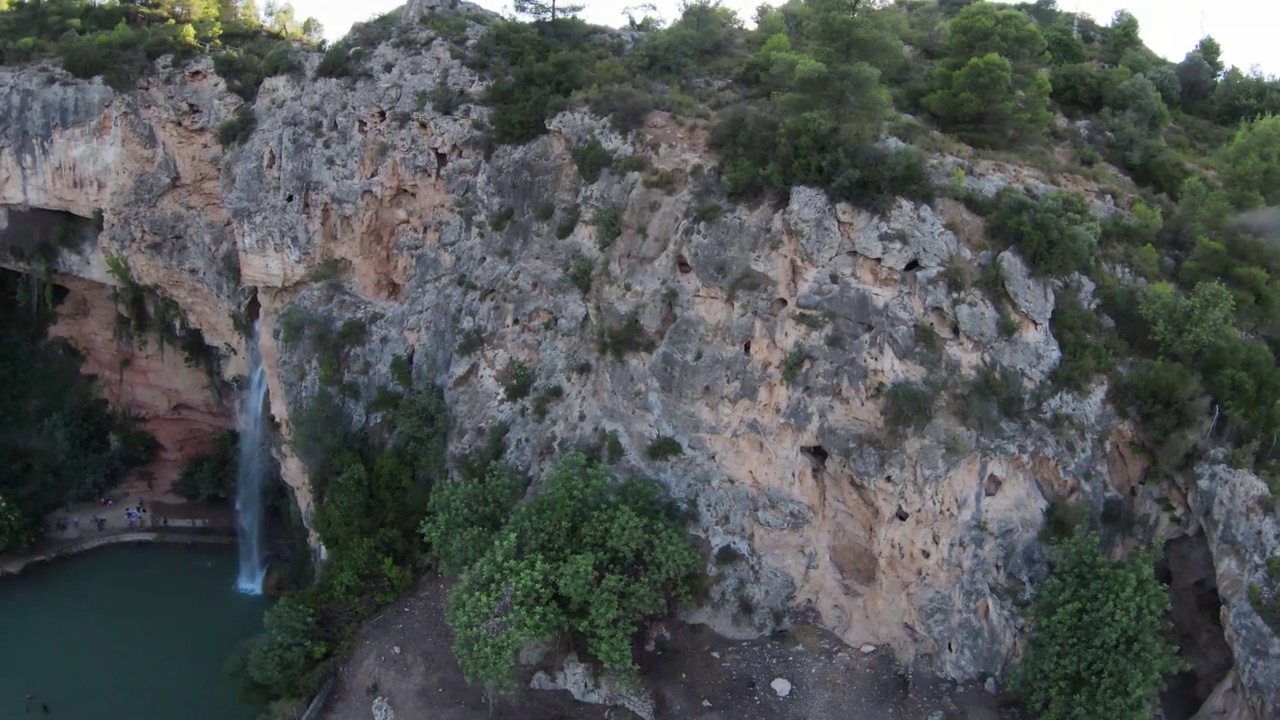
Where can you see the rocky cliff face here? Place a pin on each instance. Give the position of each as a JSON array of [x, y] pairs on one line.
[[764, 337]]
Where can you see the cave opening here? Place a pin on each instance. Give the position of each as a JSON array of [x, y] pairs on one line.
[[682, 265], [817, 455], [746, 348], [252, 309], [1186, 568], [911, 266], [38, 235]]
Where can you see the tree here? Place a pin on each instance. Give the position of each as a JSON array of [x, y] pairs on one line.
[[312, 30], [281, 657], [984, 28], [983, 102], [990, 90], [1211, 51], [1139, 101], [1097, 648], [584, 556], [1056, 233], [465, 514], [546, 9], [1063, 44], [15, 532], [1121, 37], [1251, 164], [1165, 79], [1186, 326], [1197, 81]]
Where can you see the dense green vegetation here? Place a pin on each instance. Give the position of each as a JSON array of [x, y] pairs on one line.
[[211, 476], [120, 39], [370, 498], [1097, 650], [59, 441], [585, 558]]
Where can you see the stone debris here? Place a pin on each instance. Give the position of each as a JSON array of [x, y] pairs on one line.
[[382, 709], [781, 686]]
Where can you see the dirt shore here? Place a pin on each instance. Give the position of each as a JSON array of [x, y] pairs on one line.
[[403, 655]]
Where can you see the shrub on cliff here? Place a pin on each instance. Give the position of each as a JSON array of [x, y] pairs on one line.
[[1055, 233], [585, 557], [1097, 649]]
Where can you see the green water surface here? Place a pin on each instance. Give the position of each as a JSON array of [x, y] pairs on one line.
[[128, 632]]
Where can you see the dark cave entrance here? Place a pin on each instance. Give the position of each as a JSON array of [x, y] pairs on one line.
[[1195, 613]]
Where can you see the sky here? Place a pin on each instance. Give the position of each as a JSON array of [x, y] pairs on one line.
[[1245, 29]]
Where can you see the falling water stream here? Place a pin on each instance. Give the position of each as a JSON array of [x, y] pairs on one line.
[[249, 496]]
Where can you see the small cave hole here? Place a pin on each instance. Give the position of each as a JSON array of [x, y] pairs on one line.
[[746, 348], [288, 198], [252, 309], [442, 161], [926, 554], [911, 266], [682, 265], [817, 455], [950, 649], [902, 514], [380, 115], [778, 305], [271, 159], [992, 485], [489, 295]]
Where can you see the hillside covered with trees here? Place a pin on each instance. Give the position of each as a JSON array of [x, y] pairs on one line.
[[1185, 331]]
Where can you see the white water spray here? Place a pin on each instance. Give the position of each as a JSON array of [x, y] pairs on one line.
[[249, 496]]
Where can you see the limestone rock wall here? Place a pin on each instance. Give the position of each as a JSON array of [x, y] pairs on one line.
[[355, 201]]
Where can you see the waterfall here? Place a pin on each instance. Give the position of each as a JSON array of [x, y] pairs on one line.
[[249, 496]]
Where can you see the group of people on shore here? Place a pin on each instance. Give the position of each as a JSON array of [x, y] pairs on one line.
[[135, 516]]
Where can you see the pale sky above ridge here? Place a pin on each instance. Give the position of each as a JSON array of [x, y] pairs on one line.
[[1246, 29]]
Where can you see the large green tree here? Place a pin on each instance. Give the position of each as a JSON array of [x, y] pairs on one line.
[[1251, 164], [1097, 647], [585, 557], [991, 89]]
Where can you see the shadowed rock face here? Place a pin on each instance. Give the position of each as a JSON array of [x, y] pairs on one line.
[[925, 541]]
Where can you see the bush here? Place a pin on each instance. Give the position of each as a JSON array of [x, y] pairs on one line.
[[238, 128], [211, 476], [1165, 397], [628, 337], [1055, 233], [608, 224], [664, 447], [1098, 648], [519, 381], [584, 556], [992, 396], [907, 405], [579, 274], [793, 364], [284, 655], [1080, 334], [591, 158], [465, 514]]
